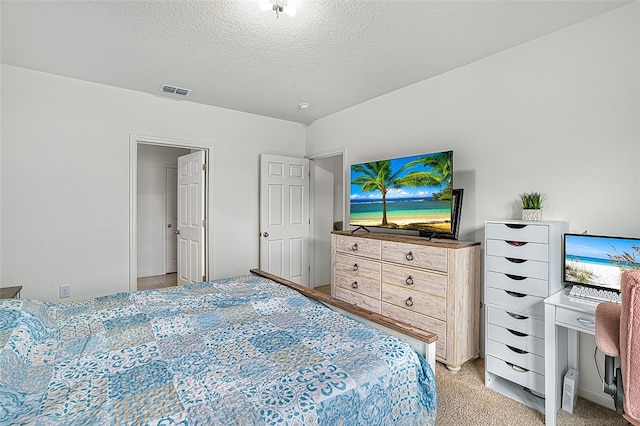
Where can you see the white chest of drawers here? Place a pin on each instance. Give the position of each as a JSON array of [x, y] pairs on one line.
[[431, 285], [522, 268]]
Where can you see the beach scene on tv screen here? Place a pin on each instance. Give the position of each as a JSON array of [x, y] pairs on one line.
[[599, 260], [403, 193]]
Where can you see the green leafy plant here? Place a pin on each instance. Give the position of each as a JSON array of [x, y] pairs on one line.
[[532, 200]]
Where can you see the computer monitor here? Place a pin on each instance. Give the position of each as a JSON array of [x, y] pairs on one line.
[[598, 260]]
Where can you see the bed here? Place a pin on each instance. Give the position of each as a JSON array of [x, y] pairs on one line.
[[238, 351]]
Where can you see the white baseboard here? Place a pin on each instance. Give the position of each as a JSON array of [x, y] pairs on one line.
[[600, 398]]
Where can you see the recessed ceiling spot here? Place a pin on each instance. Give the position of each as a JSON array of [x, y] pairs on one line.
[[304, 106]]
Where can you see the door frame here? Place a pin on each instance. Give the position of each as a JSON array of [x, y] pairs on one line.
[[165, 251], [134, 141], [312, 199]]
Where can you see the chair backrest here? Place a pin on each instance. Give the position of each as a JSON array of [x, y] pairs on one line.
[[630, 344]]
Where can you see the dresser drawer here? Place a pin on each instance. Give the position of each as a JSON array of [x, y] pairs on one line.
[[523, 268], [576, 320], [415, 301], [517, 283], [422, 322], [358, 246], [517, 232], [358, 299], [517, 301], [423, 281], [414, 255], [519, 250], [522, 323], [515, 356], [516, 339], [357, 267], [516, 374]]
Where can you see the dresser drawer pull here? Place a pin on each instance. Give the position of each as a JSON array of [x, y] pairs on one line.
[[515, 260], [517, 333], [354, 284], [355, 267], [409, 280], [516, 243], [517, 368], [516, 277], [409, 256], [516, 316], [516, 350], [354, 247], [409, 302], [514, 294], [586, 322], [514, 225]]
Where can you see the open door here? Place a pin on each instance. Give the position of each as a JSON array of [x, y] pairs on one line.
[[284, 217], [191, 214]]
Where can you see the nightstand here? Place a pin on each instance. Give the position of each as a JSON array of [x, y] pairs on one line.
[[10, 292]]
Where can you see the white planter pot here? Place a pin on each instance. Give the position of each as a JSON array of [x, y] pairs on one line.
[[531, 214]]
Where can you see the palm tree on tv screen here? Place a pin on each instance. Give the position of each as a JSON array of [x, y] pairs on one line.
[[378, 176], [441, 166]]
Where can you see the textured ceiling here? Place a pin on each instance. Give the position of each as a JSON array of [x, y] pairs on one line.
[[332, 54]]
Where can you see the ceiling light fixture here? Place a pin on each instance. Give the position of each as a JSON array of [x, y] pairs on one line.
[[304, 106], [279, 6]]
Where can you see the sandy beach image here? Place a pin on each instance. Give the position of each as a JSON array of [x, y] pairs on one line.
[[594, 274]]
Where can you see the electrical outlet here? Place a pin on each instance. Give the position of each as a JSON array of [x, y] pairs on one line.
[[65, 291]]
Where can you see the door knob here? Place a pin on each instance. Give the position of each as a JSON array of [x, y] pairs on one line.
[[176, 232], [169, 225], [265, 234]]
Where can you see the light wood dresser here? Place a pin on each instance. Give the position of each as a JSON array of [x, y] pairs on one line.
[[431, 285], [522, 268]]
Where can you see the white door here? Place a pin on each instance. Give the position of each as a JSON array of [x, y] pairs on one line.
[[171, 222], [191, 214], [284, 217]]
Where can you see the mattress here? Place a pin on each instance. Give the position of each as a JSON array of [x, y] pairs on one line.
[[238, 351]]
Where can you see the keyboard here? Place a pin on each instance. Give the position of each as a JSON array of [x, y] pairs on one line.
[[594, 295]]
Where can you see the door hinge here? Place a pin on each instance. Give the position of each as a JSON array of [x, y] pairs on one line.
[[204, 223], [204, 278], [204, 167]]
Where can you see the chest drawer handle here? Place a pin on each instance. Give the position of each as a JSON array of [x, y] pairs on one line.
[[409, 280], [516, 350], [516, 277], [514, 225], [516, 333], [355, 267], [516, 243], [586, 322], [515, 260], [354, 284], [517, 368], [516, 316], [409, 256], [354, 247], [514, 294], [409, 302]]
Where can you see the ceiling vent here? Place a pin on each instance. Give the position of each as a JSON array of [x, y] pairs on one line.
[[175, 90]]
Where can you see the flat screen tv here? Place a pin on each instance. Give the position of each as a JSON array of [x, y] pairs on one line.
[[598, 260], [410, 193]]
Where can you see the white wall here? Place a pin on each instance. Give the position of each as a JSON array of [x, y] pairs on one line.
[[559, 114], [65, 179], [152, 182]]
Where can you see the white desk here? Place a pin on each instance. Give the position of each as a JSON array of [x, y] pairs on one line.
[[563, 320]]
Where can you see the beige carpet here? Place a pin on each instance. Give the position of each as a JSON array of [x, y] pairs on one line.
[[464, 400]]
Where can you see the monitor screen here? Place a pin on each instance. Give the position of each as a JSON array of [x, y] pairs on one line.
[[598, 260], [412, 193]]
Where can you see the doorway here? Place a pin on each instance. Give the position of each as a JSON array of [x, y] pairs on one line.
[[153, 208], [327, 211]]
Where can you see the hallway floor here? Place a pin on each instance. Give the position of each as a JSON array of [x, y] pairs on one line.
[[158, 281]]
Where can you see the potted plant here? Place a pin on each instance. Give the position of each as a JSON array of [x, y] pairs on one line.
[[532, 205]]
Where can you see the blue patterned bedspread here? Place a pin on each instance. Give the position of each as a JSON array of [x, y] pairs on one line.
[[241, 351]]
